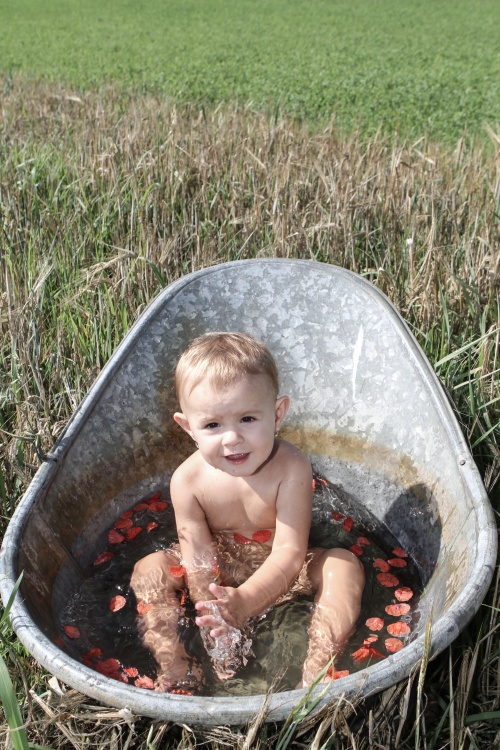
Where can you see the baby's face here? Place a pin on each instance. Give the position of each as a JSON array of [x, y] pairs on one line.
[[234, 427]]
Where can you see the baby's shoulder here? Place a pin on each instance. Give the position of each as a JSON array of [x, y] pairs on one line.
[[293, 459], [189, 473]]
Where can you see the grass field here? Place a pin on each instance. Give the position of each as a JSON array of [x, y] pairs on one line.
[[421, 67], [140, 141]]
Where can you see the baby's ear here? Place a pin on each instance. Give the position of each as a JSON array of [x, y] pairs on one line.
[[280, 410], [182, 422]]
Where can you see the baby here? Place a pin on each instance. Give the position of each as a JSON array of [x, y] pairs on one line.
[[242, 505]]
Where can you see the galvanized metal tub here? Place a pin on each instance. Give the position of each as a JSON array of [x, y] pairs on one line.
[[366, 406]]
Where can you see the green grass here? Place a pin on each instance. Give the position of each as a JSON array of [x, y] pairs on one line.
[[426, 66]]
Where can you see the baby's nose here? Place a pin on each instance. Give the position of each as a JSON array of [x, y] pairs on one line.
[[231, 437]]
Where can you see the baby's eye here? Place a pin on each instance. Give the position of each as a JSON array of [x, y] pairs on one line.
[[211, 425], [248, 419]]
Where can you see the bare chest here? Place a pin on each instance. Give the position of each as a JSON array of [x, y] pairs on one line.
[[235, 505]]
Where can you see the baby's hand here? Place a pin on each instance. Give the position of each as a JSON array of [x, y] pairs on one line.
[[224, 642], [224, 612]]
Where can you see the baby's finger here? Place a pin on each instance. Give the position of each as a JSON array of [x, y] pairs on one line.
[[218, 591], [207, 621]]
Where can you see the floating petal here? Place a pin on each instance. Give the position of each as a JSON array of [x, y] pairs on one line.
[[404, 594], [356, 550], [103, 557], [141, 506], [133, 532], [177, 571], [114, 537], [144, 682], [398, 628], [397, 610], [393, 645], [399, 552], [240, 539], [124, 523], [116, 603], [72, 631], [262, 536], [374, 623], [382, 565], [131, 671], [361, 654], [388, 580]]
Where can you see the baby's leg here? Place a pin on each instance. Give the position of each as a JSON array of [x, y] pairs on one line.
[[154, 587], [339, 579]]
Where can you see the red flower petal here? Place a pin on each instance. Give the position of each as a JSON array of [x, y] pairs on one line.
[[94, 653], [140, 506], [397, 610], [399, 552], [387, 579], [262, 536], [363, 541], [116, 603], [124, 523], [393, 645], [398, 628], [374, 623], [127, 514], [375, 653], [131, 671], [370, 639], [133, 532], [323, 481], [114, 537], [314, 485], [103, 557], [177, 571], [158, 506], [151, 525], [143, 607], [337, 516], [341, 673], [397, 562], [382, 565], [348, 524], [361, 654], [240, 539], [72, 631], [180, 691], [144, 682], [153, 498], [403, 594], [356, 550], [108, 667]]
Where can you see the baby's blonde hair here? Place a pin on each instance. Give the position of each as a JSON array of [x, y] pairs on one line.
[[222, 358]]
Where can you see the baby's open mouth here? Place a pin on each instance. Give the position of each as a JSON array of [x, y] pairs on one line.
[[237, 458]]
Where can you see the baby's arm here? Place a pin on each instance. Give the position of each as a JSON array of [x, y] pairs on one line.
[[277, 573], [198, 551], [228, 648]]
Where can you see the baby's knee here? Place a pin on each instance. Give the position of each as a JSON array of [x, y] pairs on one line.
[[348, 561], [156, 561]]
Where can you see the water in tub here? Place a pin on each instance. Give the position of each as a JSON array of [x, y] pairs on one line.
[[99, 625]]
